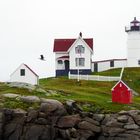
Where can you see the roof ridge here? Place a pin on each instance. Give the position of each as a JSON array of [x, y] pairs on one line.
[[121, 82], [30, 69]]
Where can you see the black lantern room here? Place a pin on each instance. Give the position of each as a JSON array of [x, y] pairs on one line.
[[134, 26]]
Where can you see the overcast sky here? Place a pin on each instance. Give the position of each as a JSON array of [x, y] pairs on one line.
[[28, 28]]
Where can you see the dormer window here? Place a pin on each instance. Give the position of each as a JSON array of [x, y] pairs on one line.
[[80, 49]]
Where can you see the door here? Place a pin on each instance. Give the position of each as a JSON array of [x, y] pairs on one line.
[[95, 67], [66, 65]]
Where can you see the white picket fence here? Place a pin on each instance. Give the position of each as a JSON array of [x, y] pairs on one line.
[[96, 77]]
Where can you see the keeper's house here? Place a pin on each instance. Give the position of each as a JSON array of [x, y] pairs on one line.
[[73, 54]]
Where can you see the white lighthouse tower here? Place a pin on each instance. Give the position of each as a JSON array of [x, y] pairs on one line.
[[133, 44]]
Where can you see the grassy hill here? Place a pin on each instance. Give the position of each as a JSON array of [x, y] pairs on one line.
[[96, 93], [90, 95], [84, 92], [111, 72], [131, 76]]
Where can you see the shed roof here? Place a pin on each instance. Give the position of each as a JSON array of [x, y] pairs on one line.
[[64, 57], [108, 60], [122, 83]]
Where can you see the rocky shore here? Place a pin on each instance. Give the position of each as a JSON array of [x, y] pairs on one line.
[[55, 121]]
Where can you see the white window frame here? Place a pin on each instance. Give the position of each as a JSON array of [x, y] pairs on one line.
[[80, 62], [79, 49], [58, 62], [22, 72]]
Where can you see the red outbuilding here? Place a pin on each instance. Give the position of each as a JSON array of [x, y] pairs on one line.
[[121, 93]]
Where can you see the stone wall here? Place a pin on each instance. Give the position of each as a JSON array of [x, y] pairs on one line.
[[53, 121]]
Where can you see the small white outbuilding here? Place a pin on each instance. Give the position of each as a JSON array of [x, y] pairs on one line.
[[24, 74]]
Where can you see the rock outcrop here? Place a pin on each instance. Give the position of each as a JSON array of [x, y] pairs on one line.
[[52, 121]]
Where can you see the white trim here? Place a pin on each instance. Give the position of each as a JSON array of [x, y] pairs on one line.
[[62, 58], [79, 38], [60, 52], [121, 82], [86, 44], [72, 45]]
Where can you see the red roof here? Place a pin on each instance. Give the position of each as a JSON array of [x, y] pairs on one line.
[[62, 45], [64, 57], [118, 83]]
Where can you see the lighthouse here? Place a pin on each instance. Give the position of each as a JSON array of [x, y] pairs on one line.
[[133, 43]]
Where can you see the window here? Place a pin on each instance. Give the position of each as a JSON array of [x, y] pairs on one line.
[[60, 62], [112, 63], [138, 62], [22, 72], [80, 61], [79, 49]]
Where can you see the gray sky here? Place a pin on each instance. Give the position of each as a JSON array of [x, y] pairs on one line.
[[28, 29]]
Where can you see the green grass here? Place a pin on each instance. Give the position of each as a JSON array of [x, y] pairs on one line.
[[111, 72], [12, 103], [131, 76], [90, 95], [4, 88], [98, 94]]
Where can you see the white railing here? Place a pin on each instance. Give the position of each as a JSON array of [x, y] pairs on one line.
[[121, 74], [96, 77]]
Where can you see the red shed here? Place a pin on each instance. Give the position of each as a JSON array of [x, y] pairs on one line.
[[121, 93]]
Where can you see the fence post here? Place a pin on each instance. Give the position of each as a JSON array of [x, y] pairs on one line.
[[87, 76], [69, 74]]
